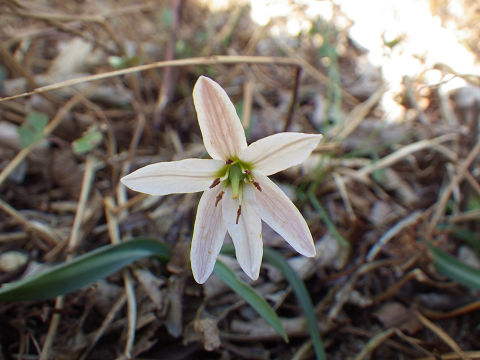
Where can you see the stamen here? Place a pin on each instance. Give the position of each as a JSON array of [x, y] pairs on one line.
[[257, 185], [219, 197], [229, 161], [248, 172], [239, 211], [214, 183]]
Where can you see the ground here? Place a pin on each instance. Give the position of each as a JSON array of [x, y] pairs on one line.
[[395, 177]]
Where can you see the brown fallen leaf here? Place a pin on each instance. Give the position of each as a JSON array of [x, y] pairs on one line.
[[394, 314], [208, 330]]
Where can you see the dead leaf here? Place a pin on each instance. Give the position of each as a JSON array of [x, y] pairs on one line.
[[151, 285], [66, 172], [394, 314], [208, 330]]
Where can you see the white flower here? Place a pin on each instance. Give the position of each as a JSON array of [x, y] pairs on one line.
[[238, 194]]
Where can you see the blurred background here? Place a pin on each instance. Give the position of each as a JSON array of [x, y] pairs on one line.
[[392, 85]]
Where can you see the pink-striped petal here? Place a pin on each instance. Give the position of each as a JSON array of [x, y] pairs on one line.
[[222, 132], [276, 209], [174, 177], [280, 151], [247, 233], [208, 235]]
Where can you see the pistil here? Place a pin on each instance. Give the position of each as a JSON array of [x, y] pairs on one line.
[[236, 177]]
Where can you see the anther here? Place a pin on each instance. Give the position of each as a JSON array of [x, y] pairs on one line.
[[219, 197], [229, 161], [248, 172], [257, 185], [214, 183], [239, 211]]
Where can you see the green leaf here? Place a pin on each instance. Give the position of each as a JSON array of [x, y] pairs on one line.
[[32, 129], [455, 269], [250, 296], [302, 295], [87, 142], [330, 225], [470, 237], [118, 62], [83, 270]]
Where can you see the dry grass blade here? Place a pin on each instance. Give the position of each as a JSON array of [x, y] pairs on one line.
[[401, 153], [453, 356], [343, 192], [114, 232], [359, 112], [104, 326], [88, 177], [393, 231], [374, 342], [42, 230], [208, 60], [475, 306], [52, 330], [444, 336], [442, 202]]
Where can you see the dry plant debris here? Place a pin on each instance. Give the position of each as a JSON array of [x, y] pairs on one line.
[[114, 80]]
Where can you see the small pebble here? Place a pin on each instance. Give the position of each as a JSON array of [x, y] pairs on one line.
[[12, 261]]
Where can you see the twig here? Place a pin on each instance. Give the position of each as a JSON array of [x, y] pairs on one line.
[[440, 206], [105, 324], [293, 101], [443, 335], [344, 194], [475, 306], [132, 312], [15, 67], [85, 18], [416, 274], [167, 79], [315, 73], [114, 232], [358, 113], [209, 60], [453, 356], [42, 230], [52, 330], [401, 225], [87, 181], [374, 342], [13, 236], [402, 152], [466, 216]]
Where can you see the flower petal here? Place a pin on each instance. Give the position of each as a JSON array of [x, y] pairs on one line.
[[184, 176], [281, 215], [247, 234], [222, 132], [280, 151], [208, 235]]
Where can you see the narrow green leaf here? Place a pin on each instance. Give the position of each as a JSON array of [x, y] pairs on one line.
[[250, 296], [330, 225], [83, 270], [32, 128], [470, 237], [455, 269], [303, 297]]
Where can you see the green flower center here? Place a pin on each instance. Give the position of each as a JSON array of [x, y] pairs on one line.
[[234, 174], [235, 178]]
